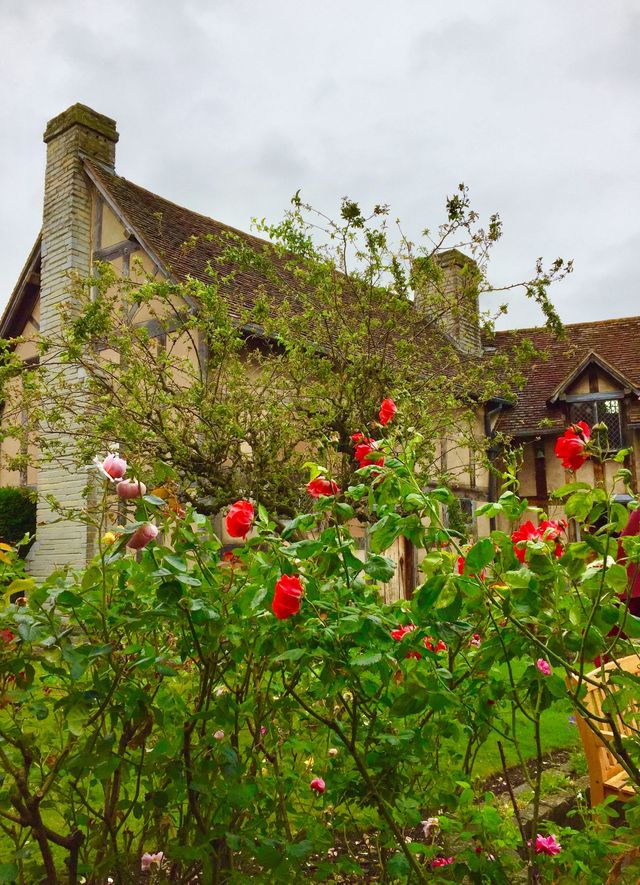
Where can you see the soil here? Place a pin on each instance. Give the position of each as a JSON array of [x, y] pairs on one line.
[[497, 783]]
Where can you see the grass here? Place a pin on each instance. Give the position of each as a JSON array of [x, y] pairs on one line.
[[556, 731]]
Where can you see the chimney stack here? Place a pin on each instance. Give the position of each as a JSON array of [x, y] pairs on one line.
[[67, 224], [446, 287]]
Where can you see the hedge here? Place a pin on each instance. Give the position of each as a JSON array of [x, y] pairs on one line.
[[17, 514]]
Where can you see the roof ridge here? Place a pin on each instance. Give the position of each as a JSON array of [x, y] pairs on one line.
[[102, 170], [568, 325]]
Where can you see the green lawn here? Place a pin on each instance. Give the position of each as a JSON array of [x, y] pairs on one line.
[[557, 732]]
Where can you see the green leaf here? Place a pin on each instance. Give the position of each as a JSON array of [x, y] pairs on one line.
[[569, 488], [292, 654], [384, 532], [154, 500], [366, 660], [631, 626], [481, 555], [380, 568], [410, 703], [8, 873], [176, 562]]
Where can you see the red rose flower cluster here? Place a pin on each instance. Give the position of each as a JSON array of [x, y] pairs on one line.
[[400, 632], [287, 597], [548, 530], [570, 447], [365, 451], [365, 447]]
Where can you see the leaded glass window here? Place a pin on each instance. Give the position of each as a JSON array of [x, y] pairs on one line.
[[606, 411]]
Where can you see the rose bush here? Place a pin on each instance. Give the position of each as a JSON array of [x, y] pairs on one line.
[[184, 711]]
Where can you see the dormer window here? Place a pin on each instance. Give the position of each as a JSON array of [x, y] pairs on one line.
[[605, 411]]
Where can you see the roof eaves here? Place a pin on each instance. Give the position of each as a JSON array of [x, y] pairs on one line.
[[117, 210], [592, 357], [15, 298]]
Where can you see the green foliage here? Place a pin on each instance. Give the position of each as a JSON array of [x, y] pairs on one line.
[[154, 703], [231, 391], [17, 514]]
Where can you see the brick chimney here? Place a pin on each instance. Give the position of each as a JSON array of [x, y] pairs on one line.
[[66, 250], [446, 286]]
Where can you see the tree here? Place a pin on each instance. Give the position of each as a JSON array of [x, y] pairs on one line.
[[221, 394]]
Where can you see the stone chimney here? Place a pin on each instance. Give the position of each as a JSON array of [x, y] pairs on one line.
[[446, 286], [66, 250]]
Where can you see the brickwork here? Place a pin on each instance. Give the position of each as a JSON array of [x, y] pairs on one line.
[[66, 249]]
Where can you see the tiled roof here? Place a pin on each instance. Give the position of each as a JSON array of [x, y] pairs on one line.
[[616, 341], [183, 241]]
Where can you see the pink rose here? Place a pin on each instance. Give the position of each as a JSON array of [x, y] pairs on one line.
[[318, 785], [142, 535], [543, 666], [112, 468], [442, 861], [547, 845], [147, 859], [128, 489]]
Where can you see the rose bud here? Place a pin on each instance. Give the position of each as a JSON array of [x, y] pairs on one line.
[[318, 785], [142, 535], [130, 488]]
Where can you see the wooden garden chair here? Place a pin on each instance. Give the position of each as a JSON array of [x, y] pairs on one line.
[[607, 777]]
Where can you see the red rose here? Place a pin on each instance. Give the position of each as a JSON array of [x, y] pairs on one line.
[[548, 530], [318, 785], [460, 564], [6, 636], [428, 644], [286, 597], [571, 445], [239, 518], [387, 411], [365, 451], [401, 632], [321, 487]]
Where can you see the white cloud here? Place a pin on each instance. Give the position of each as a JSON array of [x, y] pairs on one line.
[[229, 107]]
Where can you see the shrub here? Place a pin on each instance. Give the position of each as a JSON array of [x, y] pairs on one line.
[[263, 714], [17, 514]]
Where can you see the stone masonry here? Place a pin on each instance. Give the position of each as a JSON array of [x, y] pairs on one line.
[[66, 250]]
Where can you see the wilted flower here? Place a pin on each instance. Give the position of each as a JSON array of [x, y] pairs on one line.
[[219, 734], [147, 859], [429, 824]]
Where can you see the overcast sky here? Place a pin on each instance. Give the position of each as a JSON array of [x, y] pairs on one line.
[[229, 106]]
